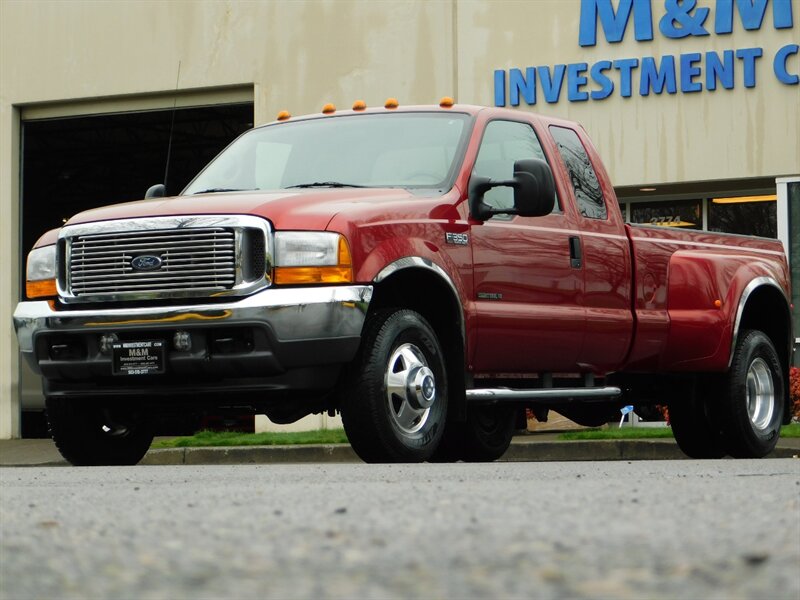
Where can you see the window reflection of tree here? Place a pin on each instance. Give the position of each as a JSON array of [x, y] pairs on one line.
[[746, 218], [581, 173]]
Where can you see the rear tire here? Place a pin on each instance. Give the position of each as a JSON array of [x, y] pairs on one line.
[[752, 398], [87, 433], [487, 433], [693, 425], [395, 402]]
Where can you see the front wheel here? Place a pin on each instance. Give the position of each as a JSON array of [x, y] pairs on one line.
[[395, 402], [88, 433], [752, 397]]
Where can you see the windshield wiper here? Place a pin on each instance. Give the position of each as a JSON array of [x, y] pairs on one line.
[[333, 184], [214, 190]]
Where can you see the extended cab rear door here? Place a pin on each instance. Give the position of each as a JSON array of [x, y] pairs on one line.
[[528, 295], [604, 248]]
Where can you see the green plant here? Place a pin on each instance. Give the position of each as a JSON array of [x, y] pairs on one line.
[[794, 391]]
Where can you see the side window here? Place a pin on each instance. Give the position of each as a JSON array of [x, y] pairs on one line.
[[581, 173], [503, 143]]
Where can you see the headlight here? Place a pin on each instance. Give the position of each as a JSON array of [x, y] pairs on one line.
[[303, 257], [41, 273]]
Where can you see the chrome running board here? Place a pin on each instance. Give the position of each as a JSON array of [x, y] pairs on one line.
[[491, 395]]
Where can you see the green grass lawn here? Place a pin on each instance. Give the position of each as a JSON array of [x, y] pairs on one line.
[[233, 438], [638, 433], [337, 436]]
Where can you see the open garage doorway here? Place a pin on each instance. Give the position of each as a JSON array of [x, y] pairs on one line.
[[75, 163]]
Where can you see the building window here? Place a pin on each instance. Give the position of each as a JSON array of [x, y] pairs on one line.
[[671, 213], [747, 215], [793, 193]]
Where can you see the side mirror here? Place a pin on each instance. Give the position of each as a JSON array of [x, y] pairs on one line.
[[534, 191], [155, 191]]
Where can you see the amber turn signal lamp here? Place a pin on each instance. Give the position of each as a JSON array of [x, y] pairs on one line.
[[46, 288], [359, 105], [340, 273], [284, 115], [391, 103], [328, 109], [447, 102]]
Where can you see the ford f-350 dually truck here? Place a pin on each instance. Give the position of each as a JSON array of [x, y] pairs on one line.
[[429, 272]]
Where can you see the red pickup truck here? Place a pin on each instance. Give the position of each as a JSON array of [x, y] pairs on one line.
[[428, 272]]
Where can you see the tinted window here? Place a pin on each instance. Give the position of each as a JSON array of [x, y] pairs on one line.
[[581, 173], [503, 143]]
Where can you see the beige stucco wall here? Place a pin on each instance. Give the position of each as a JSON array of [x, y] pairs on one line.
[[60, 57]]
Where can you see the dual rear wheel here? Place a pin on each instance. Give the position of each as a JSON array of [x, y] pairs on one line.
[[738, 413]]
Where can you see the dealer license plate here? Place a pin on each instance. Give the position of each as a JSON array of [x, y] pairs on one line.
[[137, 358]]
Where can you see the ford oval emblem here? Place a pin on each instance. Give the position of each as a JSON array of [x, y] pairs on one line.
[[146, 262]]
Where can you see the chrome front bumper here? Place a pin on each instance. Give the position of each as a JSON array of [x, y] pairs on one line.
[[292, 315]]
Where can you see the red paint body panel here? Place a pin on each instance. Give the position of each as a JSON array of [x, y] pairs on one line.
[[641, 300]]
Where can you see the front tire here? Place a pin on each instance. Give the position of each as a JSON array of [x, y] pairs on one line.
[[752, 398], [87, 433], [395, 402]]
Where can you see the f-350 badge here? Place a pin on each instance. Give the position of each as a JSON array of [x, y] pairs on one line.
[[459, 239]]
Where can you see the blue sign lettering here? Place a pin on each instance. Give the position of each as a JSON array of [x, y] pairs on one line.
[[748, 57], [626, 67], [598, 75], [684, 72], [575, 81], [779, 65], [517, 83], [657, 77], [719, 70], [752, 14], [679, 22], [614, 23], [689, 71]]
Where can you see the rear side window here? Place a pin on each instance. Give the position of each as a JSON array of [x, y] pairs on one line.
[[591, 203]]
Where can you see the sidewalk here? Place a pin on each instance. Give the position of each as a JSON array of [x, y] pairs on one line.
[[532, 447]]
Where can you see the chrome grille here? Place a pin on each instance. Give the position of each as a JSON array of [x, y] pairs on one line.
[[165, 257], [191, 259]]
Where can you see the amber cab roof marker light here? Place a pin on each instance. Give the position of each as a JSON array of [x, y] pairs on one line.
[[284, 115], [446, 102], [391, 103], [359, 105], [328, 109]]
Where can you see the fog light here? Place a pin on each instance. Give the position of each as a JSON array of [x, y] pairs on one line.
[[107, 341], [182, 341]]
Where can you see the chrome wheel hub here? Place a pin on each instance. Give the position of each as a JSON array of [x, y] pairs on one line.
[[760, 394], [410, 388]]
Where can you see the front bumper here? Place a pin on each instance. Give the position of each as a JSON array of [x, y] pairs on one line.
[[253, 341]]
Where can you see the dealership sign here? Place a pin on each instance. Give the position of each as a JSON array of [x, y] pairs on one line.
[[684, 73]]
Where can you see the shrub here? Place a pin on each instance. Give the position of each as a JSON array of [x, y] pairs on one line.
[[794, 392]]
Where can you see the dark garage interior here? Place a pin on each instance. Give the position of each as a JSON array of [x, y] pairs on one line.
[[76, 163], [72, 164]]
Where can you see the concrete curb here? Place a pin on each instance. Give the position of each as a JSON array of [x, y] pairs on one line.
[[18, 453], [520, 451]]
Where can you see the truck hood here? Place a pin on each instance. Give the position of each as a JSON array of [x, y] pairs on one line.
[[286, 209]]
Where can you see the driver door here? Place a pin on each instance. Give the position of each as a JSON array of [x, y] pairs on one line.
[[529, 316]]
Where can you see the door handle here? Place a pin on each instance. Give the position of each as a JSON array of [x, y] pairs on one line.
[[575, 257]]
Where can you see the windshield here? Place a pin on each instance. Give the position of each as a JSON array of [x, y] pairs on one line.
[[409, 150]]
